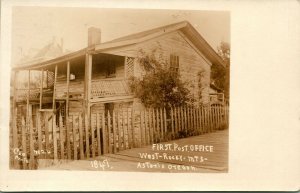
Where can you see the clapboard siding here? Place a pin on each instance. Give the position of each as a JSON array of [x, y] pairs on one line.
[[76, 85], [75, 107]]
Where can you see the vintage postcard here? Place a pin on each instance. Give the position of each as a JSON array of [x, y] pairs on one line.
[[110, 94], [126, 93]]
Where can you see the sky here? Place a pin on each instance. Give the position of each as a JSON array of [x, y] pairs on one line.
[[35, 27]]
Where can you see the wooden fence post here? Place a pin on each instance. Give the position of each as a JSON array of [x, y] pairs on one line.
[[98, 133], [87, 143], [114, 133], [129, 137], [122, 131], [93, 138], [61, 135], [74, 126], [80, 136], [104, 134], [172, 122], [109, 133], [165, 122], [146, 128], [68, 137], [39, 130], [150, 120], [24, 147], [46, 127], [31, 142]]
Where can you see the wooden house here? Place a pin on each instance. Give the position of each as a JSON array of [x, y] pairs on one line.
[[95, 79]]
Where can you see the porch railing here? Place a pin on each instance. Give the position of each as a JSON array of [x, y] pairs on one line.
[[109, 87]]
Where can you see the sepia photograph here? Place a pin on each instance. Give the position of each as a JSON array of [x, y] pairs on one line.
[[134, 90], [141, 95]]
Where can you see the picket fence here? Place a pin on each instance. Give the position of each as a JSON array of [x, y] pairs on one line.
[[118, 130]]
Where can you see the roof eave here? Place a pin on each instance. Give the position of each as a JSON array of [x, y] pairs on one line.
[[47, 63]]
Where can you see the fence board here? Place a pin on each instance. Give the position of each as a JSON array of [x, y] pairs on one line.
[[104, 134], [157, 132], [110, 150], [24, 148], [122, 131], [93, 138], [61, 135], [15, 136], [161, 124], [87, 143], [146, 127], [31, 142], [46, 123], [98, 124], [68, 136], [132, 128], [203, 120], [80, 136], [74, 127], [39, 130], [114, 133], [54, 137], [129, 136], [165, 122], [150, 119], [172, 122], [218, 118], [209, 119]]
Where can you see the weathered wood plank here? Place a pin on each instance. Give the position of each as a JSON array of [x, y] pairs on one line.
[[87, 134], [93, 139], [133, 128], [24, 147], [61, 135], [110, 136], [98, 133], [54, 117], [165, 121], [54, 132], [46, 117], [142, 129], [161, 123], [172, 122], [128, 128], [80, 136], [150, 121], [39, 130], [31, 142], [114, 133], [158, 126], [74, 127], [122, 131], [146, 127]]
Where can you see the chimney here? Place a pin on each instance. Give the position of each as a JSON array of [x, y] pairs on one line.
[[94, 36]]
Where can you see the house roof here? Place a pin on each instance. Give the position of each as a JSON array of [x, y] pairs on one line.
[[185, 27]]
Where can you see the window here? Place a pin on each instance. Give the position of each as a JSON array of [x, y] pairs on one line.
[[174, 63]]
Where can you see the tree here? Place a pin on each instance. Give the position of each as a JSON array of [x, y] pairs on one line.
[[158, 87], [219, 74]]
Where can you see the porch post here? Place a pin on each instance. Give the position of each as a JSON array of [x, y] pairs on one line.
[[41, 89], [67, 110], [54, 116], [87, 94]]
